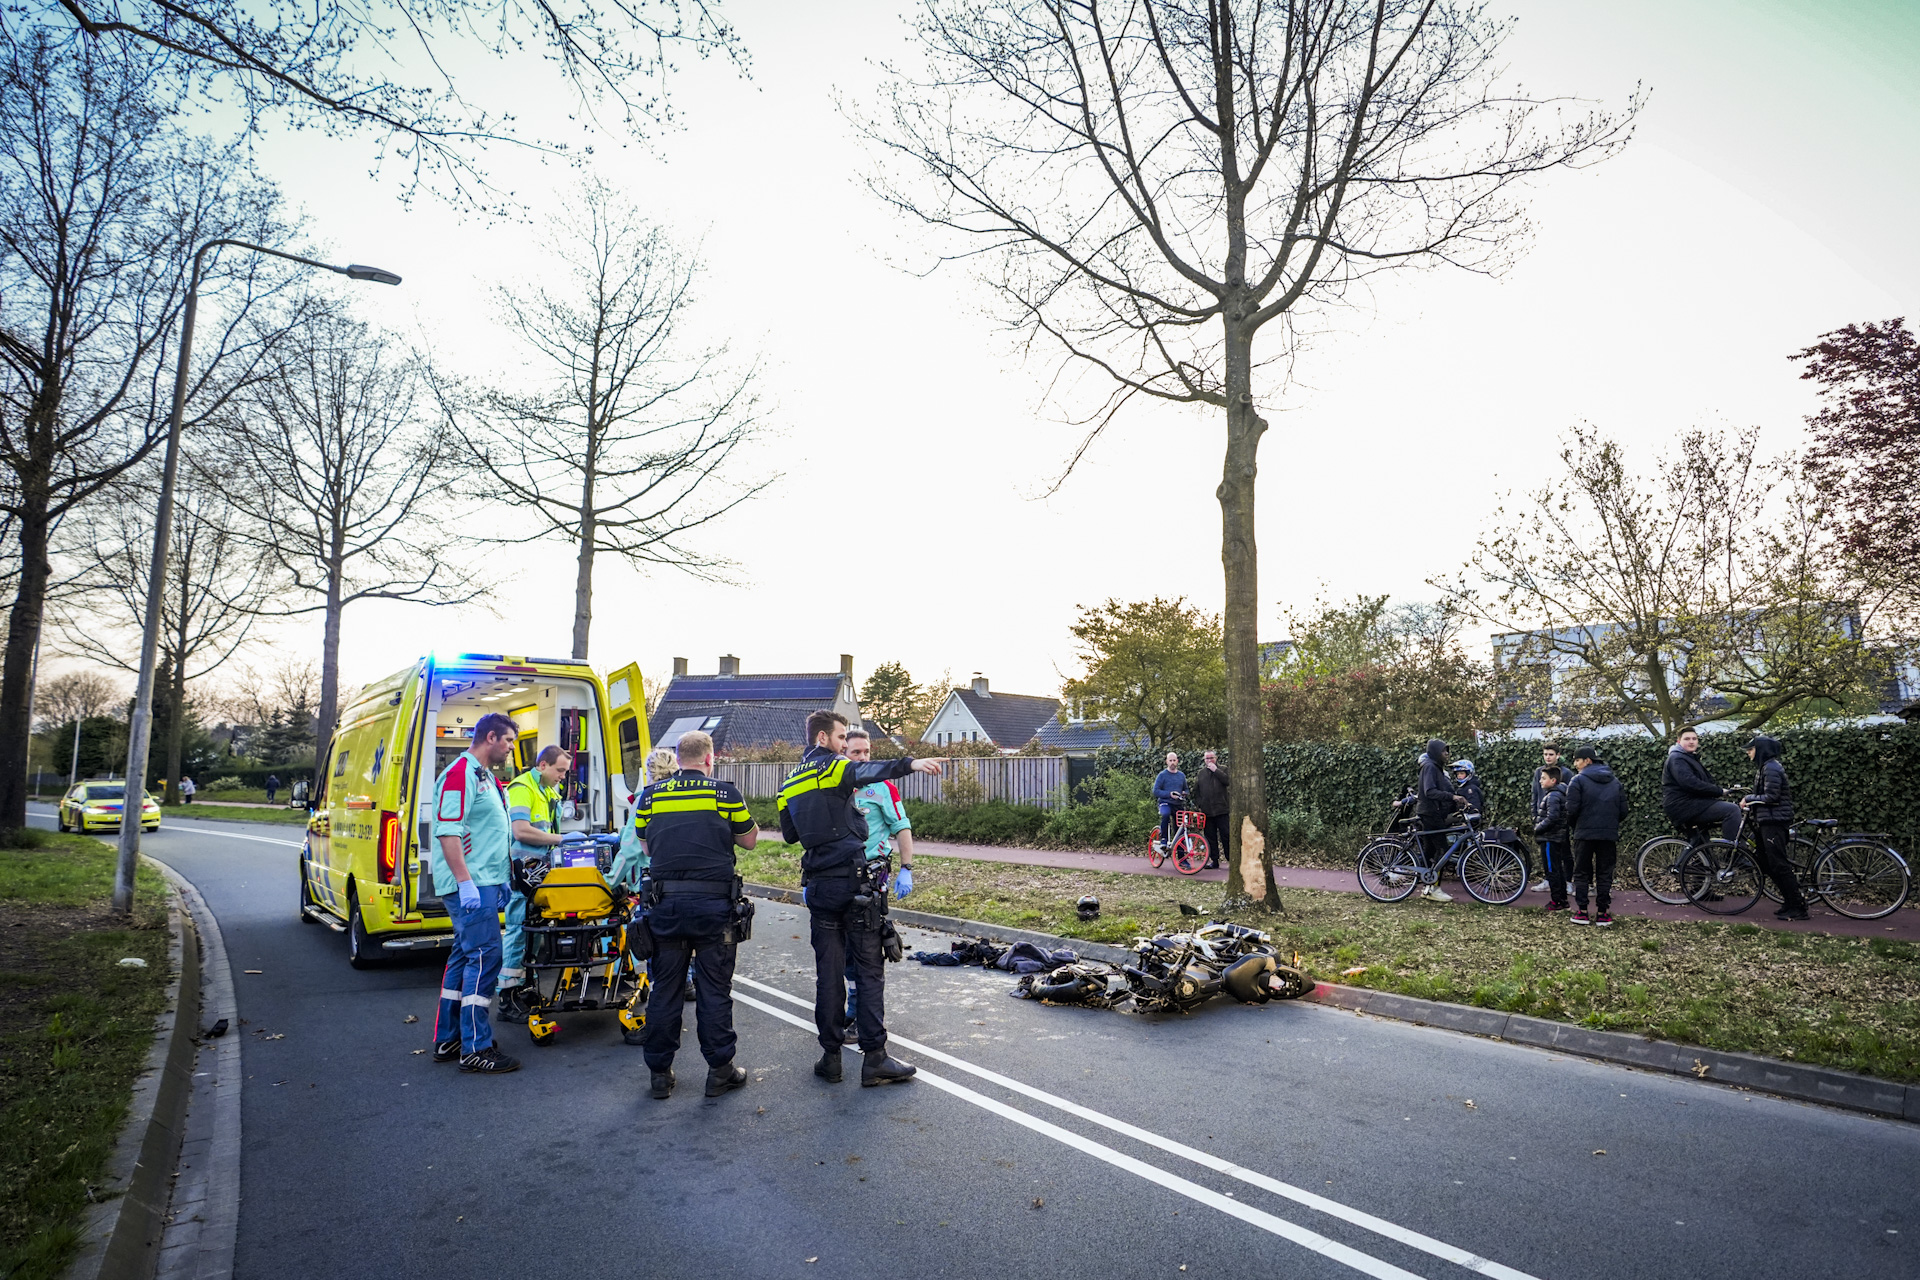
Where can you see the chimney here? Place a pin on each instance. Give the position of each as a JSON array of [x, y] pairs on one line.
[[729, 665], [846, 665], [980, 686], [679, 666]]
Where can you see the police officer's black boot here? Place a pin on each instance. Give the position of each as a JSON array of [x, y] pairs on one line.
[[722, 1078], [662, 1084], [828, 1068], [879, 1068]]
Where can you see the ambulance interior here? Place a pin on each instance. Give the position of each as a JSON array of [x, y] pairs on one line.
[[549, 712]]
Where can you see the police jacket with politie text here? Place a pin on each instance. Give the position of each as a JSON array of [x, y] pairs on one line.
[[1686, 788], [1596, 805], [1772, 799], [689, 821], [817, 809]]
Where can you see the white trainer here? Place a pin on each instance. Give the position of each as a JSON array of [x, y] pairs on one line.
[[1434, 893]]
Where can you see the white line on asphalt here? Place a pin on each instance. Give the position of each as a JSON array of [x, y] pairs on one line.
[[1361, 1262], [230, 835], [1379, 1226]]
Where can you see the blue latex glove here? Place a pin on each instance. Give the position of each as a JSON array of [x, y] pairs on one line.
[[903, 883], [469, 895]]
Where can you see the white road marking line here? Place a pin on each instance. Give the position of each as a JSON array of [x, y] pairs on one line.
[[230, 835], [1333, 1249], [1379, 1226]]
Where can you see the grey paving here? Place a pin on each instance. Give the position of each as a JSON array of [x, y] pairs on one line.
[[360, 1157]]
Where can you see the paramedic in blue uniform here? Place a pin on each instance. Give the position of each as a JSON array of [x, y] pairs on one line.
[[470, 875], [817, 812], [692, 822]]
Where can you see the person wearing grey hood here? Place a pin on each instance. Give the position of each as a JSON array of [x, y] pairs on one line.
[[1771, 809]]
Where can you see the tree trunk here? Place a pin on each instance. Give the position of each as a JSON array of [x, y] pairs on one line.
[[583, 578], [16, 680], [1250, 870], [329, 667]]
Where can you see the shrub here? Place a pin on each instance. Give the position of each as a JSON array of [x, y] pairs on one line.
[[987, 822], [227, 783], [1118, 811], [962, 787]]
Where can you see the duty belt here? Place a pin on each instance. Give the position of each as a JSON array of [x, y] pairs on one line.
[[694, 888]]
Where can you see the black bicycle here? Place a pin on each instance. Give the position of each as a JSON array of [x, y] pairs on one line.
[[1392, 866]]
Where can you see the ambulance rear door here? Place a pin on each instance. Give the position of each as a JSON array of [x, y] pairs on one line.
[[627, 712]]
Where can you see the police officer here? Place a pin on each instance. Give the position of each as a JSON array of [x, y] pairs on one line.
[[691, 823], [533, 806], [888, 829], [817, 811]]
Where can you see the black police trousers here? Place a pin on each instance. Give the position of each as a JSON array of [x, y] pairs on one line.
[[712, 999], [844, 933]]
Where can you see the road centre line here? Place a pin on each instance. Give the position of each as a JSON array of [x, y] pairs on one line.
[[230, 835], [1346, 1213], [1333, 1249]]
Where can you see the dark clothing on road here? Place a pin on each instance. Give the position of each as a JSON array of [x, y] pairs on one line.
[[1772, 799], [1593, 863], [713, 962], [1596, 806], [1210, 792], [1437, 797], [1773, 861]]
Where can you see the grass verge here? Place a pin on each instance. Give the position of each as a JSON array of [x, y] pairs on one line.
[[224, 813], [1850, 1003], [75, 1030]]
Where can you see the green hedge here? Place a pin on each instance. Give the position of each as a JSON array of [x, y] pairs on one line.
[[1866, 777]]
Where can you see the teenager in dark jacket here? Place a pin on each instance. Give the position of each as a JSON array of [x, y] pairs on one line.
[[1466, 785], [1439, 809], [1688, 793], [1549, 759], [1596, 806], [1771, 807], [1550, 829]]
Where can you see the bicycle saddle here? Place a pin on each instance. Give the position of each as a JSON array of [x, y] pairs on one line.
[[1819, 822]]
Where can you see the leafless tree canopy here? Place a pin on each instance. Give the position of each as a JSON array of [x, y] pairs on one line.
[[1146, 184], [337, 469], [388, 68], [75, 695], [623, 448]]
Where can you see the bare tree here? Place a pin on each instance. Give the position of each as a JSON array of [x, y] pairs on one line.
[[216, 588], [102, 202], [384, 68], [623, 451], [1151, 183], [338, 473], [74, 698]]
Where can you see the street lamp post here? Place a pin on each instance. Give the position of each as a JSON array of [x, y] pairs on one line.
[[140, 725]]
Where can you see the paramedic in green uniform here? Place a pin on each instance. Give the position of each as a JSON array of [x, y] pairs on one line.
[[470, 875], [888, 828], [533, 806]]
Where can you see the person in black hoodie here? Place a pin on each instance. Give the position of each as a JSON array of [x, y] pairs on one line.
[[1438, 810], [1550, 828], [1596, 806], [1209, 790], [1771, 808], [1690, 796]]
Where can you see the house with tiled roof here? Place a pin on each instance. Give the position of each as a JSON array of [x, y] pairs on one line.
[[744, 712], [977, 714]]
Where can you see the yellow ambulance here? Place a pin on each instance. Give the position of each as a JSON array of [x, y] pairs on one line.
[[365, 867]]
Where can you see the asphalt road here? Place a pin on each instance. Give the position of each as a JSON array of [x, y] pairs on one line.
[[1284, 1140]]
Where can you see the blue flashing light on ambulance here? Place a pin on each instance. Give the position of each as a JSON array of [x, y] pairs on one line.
[[365, 866]]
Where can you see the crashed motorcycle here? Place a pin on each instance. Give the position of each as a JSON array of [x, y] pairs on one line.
[[1179, 971]]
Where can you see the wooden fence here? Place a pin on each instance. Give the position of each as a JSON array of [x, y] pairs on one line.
[[1034, 780]]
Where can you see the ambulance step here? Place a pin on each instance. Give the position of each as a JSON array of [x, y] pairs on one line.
[[320, 914]]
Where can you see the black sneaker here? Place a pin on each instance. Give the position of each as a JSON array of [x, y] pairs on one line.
[[722, 1079], [828, 1068], [490, 1061], [662, 1085], [1791, 913], [513, 1005], [881, 1069], [1603, 919], [447, 1051]]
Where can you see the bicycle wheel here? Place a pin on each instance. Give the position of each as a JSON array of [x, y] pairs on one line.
[[1723, 878], [1862, 879], [1804, 855], [1493, 873], [1388, 870], [1190, 853], [1659, 870], [1156, 852]]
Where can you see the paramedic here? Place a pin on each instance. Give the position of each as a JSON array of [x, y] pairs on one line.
[[887, 827], [470, 875], [533, 806]]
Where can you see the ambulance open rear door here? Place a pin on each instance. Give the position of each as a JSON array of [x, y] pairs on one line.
[[627, 710]]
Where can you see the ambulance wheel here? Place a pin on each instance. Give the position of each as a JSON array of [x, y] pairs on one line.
[[362, 951]]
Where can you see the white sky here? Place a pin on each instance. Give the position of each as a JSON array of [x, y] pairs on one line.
[[1769, 196]]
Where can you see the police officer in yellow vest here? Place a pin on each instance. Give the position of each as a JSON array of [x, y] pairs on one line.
[[533, 806]]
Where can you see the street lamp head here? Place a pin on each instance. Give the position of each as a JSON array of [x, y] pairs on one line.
[[355, 271]]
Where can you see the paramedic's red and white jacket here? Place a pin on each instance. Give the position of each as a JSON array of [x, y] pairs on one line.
[[469, 802]]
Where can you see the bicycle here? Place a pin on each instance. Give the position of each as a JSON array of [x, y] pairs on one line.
[[1722, 877], [1188, 844], [1659, 866], [1392, 866], [1858, 874]]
